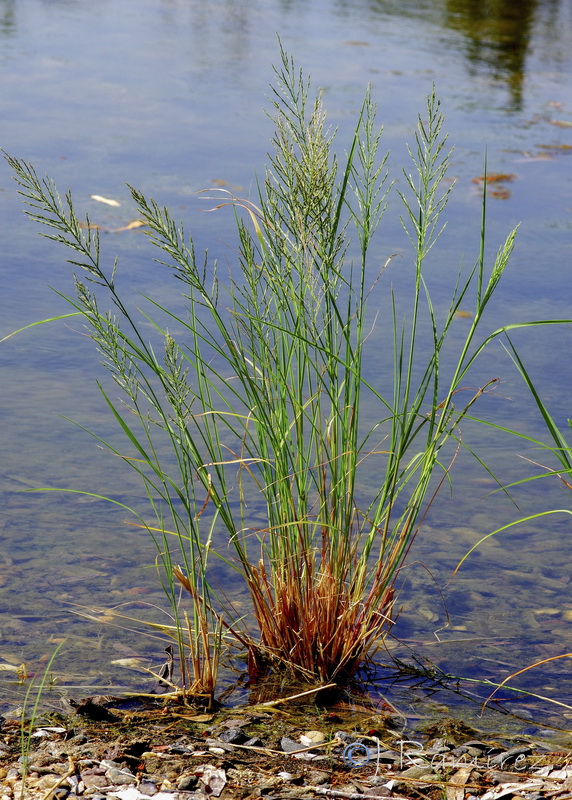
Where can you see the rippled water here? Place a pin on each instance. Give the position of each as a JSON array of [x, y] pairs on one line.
[[169, 95]]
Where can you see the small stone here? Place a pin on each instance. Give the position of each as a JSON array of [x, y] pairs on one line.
[[94, 781], [439, 745], [120, 777], [240, 722], [386, 757], [418, 772], [233, 736], [483, 746], [510, 755], [343, 737], [148, 787], [254, 742], [47, 781], [378, 780], [289, 745], [94, 769], [107, 763], [129, 793], [312, 737], [497, 777], [466, 750], [187, 783]]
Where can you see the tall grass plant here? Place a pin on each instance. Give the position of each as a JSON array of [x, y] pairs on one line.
[[257, 389]]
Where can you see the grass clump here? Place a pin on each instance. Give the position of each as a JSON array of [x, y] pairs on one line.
[[256, 397]]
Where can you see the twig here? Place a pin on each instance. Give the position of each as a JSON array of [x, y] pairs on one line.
[[268, 751], [350, 795], [63, 778], [270, 703]]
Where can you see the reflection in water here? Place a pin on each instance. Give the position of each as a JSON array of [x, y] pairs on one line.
[[496, 36], [7, 16], [497, 33]]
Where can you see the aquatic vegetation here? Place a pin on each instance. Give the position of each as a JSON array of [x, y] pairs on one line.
[[255, 400], [29, 716]]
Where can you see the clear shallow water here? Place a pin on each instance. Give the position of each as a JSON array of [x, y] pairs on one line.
[[169, 96]]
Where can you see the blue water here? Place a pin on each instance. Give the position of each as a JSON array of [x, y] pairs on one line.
[[169, 96]]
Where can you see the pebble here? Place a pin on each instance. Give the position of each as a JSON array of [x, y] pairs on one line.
[[94, 781], [509, 756], [178, 775], [233, 736], [312, 737], [120, 777], [254, 742], [148, 787], [418, 773], [289, 745], [187, 782]]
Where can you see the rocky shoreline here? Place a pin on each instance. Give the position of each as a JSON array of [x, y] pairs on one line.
[[172, 752]]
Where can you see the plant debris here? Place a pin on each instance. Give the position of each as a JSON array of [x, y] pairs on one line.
[[107, 200], [495, 183], [159, 752]]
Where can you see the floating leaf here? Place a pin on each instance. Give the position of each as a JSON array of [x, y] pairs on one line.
[[564, 147], [222, 182], [501, 194], [132, 663], [105, 200], [91, 227], [562, 123], [527, 158], [136, 223], [460, 314], [495, 177]]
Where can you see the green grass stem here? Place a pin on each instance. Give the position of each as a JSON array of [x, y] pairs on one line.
[[252, 396]]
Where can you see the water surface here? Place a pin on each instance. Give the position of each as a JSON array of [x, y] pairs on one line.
[[168, 95]]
